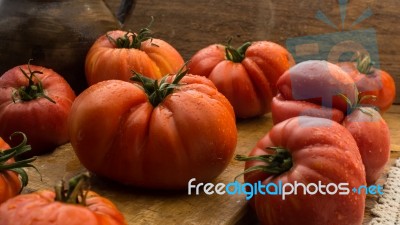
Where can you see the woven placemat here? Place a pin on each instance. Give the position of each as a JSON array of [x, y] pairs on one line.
[[387, 209]]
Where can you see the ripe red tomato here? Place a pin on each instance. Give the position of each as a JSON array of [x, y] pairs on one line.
[[313, 88], [154, 138], [246, 76], [10, 183], [373, 139], [36, 101], [371, 81], [47, 207], [115, 54], [310, 150], [283, 109]]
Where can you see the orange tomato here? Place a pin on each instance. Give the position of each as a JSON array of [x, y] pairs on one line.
[[115, 54], [371, 81], [246, 76], [154, 138], [10, 183], [47, 207]]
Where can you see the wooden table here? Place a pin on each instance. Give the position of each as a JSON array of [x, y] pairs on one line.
[[156, 207]]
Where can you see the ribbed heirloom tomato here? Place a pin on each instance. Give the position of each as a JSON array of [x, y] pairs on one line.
[[72, 206], [371, 81], [36, 101], [10, 170], [116, 53], [317, 153], [313, 88], [157, 135], [246, 76]]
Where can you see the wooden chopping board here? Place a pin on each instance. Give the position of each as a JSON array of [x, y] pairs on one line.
[[160, 207]]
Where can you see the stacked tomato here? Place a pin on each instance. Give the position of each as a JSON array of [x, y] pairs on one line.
[[323, 134], [149, 120], [322, 89]]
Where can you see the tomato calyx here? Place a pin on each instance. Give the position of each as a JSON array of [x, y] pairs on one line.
[[358, 104], [18, 165], [277, 163], [158, 90], [133, 40], [33, 90], [364, 64], [236, 55], [76, 193]]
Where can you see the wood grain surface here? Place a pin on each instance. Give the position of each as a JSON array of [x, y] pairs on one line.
[[155, 207], [191, 25]]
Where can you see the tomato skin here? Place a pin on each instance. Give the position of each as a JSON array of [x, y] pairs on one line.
[[43, 122], [40, 208], [285, 109], [105, 61], [317, 155], [190, 134], [250, 84], [372, 135], [378, 83], [312, 88], [10, 185], [318, 82]]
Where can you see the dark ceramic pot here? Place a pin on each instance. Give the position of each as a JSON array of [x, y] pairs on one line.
[[55, 34]]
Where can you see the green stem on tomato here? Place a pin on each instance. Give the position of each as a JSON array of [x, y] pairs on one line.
[[358, 103], [157, 90], [364, 64], [276, 163], [236, 55], [33, 90], [133, 40], [76, 192], [18, 165]]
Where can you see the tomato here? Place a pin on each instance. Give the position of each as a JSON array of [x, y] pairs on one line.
[[36, 101], [313, 88], [283, 110], [373, 139], [310, 151], [371, 81], [115, 54], [154, 138], [10, 184], [61, 207], [246, 76]]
